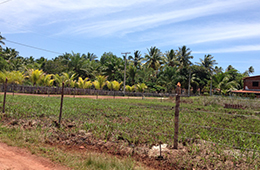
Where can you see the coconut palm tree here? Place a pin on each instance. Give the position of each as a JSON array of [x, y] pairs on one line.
[[141, 87], [1, 40], [184, 56], [69, 80], [129, 89], [154, 58], [208, 63], [76, 63], [137, 58], [84, 84], [109, 85], [35, 76], [114, 85], [59, 80], [47, 80], [170, 58], [132, 71], [224, 82], [251, 70], [100, 82], [168, 78], [90, 56]]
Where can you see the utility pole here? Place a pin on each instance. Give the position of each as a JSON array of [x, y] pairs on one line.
[[125, 69]]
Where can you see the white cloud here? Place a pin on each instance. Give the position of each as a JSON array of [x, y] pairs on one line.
[[242, 48], [125, 18], [199, 34], [126, 25]]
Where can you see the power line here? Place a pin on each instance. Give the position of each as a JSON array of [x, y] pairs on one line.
[[37, 48], [4, 1]]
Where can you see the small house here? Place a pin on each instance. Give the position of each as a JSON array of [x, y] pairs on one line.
[[251, 86]]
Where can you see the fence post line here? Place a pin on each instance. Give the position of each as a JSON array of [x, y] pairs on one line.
[[61, 102], [5, 84], [176, 120]]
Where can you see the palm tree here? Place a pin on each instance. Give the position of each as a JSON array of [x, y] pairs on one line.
[[1, 42], [129, 89], [168, 78], [84, 84], [251, 70], [47, 80], [114, 68], [224, 82], [114, 85], [93, 69], [141, 87], [100, 82], [132, 71], [76, 63], [35, 76], [13, 77], [208, 63], [69, 80], [90, 56], [154, 58], [137, 59], [170, 58], [58, 80], [184, 56]]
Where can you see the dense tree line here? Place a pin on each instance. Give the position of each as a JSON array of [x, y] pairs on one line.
[[156, 71]]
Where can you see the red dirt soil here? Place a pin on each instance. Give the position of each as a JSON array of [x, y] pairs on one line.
[[13, 158]]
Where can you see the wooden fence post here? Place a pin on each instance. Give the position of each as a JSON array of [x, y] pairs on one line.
[[61, 102], [176, 120], [5, 85]]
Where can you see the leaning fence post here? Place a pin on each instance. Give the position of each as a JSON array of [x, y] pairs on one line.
[[5, 85], [177, 110], [61, 102]]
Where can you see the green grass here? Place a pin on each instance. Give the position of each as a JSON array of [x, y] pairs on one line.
[[149, 121]]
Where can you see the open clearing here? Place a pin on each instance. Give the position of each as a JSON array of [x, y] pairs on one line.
[[13, 158], [211, 136]]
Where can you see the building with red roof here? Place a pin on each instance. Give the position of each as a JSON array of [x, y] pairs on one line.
[[251, 86]]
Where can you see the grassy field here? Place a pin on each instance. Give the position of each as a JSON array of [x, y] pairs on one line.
[[230, 137]]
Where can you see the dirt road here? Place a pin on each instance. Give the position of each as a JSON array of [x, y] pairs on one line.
[[13, 158], [84, 96]]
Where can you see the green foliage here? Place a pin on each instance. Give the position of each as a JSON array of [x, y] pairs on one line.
[[160, 72], [100, 82], [130, 88], [84, 84], [140, 87], [13, 77], [35, 76], [47, 80]]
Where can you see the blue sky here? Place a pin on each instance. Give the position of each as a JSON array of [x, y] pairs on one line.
[[227, 29]]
